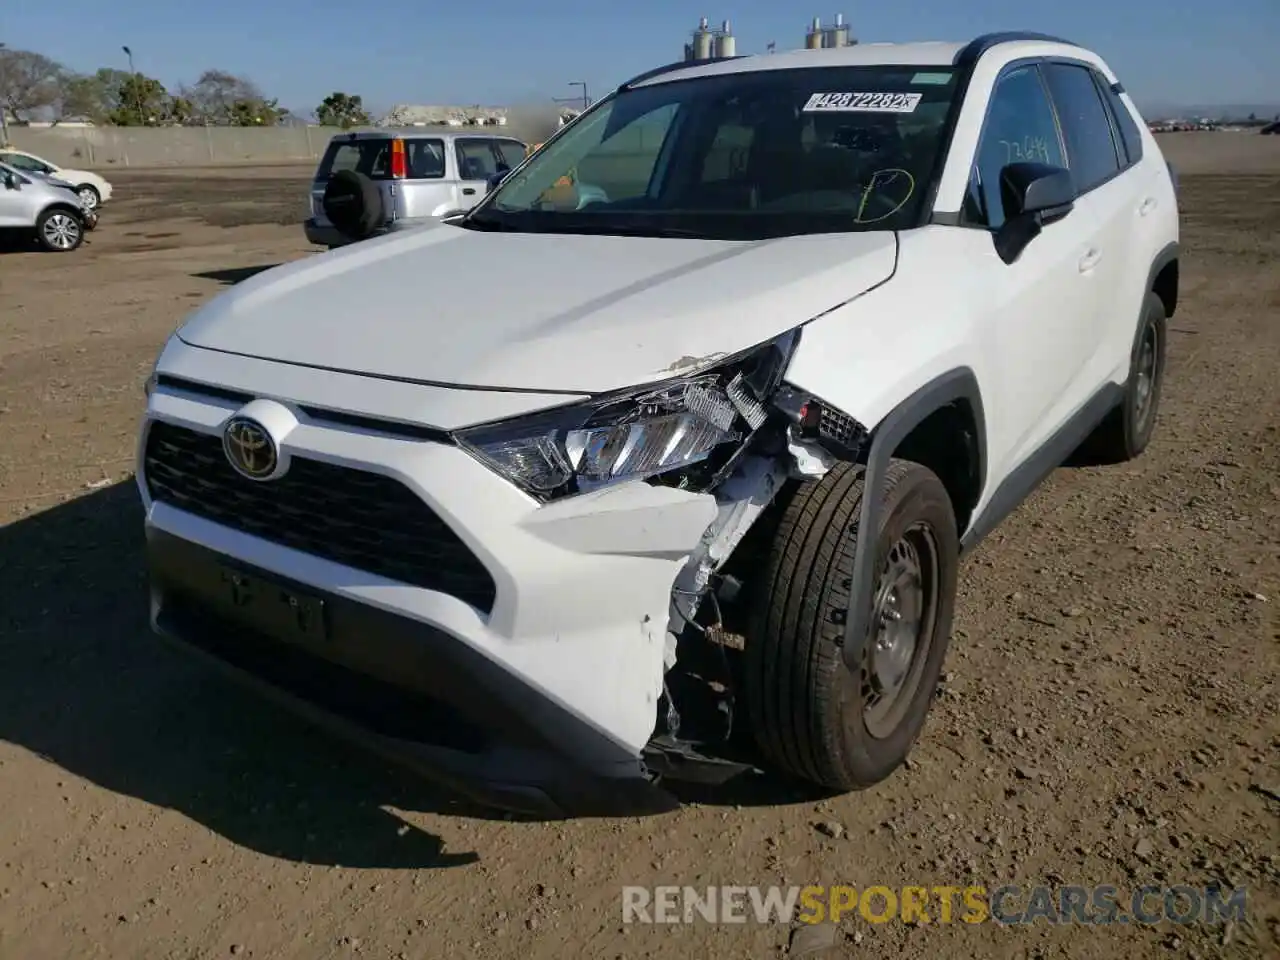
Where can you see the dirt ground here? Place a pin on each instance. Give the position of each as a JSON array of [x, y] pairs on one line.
[[1110, 712]]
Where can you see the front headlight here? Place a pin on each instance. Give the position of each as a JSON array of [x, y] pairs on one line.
[[697, 421]]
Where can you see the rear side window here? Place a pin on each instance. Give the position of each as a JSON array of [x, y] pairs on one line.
[[425, 159], [1126, 126], [1091, 150]]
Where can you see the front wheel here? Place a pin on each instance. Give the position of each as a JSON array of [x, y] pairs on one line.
[[59, 230], [812, 716], [89, 196]]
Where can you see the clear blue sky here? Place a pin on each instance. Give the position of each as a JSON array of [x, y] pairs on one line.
[[1166, 51]]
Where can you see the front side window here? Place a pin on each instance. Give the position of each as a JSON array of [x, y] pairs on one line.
[[512, 152], [1019, 128], [1091, 150], [739, 156], [476, 159]]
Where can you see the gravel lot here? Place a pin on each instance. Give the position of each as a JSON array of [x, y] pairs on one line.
[[1110, 711]]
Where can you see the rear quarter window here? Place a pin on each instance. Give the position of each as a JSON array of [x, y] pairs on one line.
[[1126, 126]]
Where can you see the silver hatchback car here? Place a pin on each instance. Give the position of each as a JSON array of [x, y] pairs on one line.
[[375, 182], [47, 209]]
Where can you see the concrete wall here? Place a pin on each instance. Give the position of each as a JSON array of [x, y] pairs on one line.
[[114, 147]]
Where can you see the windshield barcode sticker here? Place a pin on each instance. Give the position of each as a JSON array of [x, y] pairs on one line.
[[862, 103]]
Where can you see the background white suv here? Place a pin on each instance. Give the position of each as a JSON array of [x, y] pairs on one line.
[[661, 461]]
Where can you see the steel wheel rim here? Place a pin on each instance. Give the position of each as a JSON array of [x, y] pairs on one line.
[[89, 197], [902, 620], [61, 231], [1145, 386]]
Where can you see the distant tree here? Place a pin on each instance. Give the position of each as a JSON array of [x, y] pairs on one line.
[[28, 81], [223, 99], [1253, 117], [181, 112], [141, 101], [342, 110], [94, 96]]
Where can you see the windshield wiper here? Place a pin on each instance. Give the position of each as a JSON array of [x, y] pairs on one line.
[[617, 230], [481, 222]]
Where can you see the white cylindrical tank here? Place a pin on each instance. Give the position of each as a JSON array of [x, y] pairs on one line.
[[726, 45], [813, 39], [702, 44]]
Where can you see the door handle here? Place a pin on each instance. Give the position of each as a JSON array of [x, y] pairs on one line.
[[1148, 205], [468, 191], [1090, 260]]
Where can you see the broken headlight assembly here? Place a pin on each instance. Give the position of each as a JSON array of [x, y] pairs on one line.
[[682, 432]]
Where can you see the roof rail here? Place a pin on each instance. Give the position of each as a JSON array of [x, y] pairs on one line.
[[672, 67], [969, 55]]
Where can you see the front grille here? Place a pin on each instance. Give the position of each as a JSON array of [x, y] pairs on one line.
[[353, 517]]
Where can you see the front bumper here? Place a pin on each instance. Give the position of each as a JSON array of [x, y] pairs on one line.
[[558, 681], [395, 685]]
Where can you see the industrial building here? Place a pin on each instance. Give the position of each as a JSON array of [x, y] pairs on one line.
[[414, 115], [836, 34], [707, 42]]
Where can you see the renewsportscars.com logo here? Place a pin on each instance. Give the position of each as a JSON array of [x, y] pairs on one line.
[[1009, 904]]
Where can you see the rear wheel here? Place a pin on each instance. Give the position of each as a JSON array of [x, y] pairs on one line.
[[1128, 429], [59, 230], [812, 716]]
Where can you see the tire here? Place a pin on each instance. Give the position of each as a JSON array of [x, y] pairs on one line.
[[353, 204], [811, 717], [59, 230], [1129, 427], [89, 195]]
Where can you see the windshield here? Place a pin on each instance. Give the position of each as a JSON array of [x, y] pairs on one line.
[[739, 156]]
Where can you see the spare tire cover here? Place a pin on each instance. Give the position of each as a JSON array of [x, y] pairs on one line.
[[353, 204]]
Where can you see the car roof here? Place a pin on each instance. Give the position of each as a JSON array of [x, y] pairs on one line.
[[930, 53], [418, 133]]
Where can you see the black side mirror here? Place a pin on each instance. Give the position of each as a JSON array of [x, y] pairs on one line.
[[10, 181], [1034, 195]]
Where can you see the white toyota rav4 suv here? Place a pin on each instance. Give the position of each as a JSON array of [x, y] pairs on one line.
[[661, 462]]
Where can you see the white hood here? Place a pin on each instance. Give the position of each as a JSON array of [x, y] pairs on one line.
[[583, 314]]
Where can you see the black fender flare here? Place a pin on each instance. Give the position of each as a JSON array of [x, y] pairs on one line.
[[1166, 256], [959, 383]]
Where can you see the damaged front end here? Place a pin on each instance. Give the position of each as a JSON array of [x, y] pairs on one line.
[[730, 428], [786, 436]]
